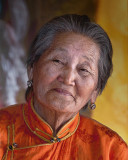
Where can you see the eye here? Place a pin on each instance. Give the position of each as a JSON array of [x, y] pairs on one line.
[[83, 70], [57, 61]]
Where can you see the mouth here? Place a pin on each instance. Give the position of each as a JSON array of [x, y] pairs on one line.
[[63, 92]]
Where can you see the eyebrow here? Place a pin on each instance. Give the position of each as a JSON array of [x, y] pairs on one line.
[[66, 51], [60, 49], [88, 58]]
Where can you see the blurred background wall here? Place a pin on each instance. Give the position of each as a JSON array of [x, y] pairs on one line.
[[112, 106], [20, 21]]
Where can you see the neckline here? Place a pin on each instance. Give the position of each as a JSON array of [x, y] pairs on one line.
[[43, 130]]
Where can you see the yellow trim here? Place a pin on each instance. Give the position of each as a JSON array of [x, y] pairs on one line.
[[13, 140], [64, 132], [34, 132], [50, 127], [44, 132], [49, 142], [4, 156], [6, 153], [8, 134], [67, 136], [13, 133], [40, 117], [57, 135], [41, 137], [70, 134], [66, 124], [38, 145], [12, 155]]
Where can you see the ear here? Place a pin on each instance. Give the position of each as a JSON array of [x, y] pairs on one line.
[[94, 96], [30, 73]]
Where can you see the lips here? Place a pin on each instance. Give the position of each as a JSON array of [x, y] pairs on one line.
[[63, 91]]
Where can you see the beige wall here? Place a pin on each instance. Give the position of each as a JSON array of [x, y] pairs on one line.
[[112, 105]]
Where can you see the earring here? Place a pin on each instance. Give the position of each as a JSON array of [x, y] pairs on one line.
[[92, 106], [29, 83]]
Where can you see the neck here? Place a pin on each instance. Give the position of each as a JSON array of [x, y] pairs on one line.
[[54, 118]]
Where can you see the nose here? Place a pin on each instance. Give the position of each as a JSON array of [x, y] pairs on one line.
[[68, 76]]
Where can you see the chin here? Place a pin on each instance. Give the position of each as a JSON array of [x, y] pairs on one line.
[[61, 105]]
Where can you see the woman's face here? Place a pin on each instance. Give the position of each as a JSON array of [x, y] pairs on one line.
[[66, 75]]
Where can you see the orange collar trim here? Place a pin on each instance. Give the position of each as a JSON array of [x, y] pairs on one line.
[[43, 130]]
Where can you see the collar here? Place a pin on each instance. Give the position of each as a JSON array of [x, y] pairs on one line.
[[43, 130]]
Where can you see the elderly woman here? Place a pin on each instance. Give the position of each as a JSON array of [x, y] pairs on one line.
[[69, 64]]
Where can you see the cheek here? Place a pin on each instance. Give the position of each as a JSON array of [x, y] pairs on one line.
[[86, 87], [45, 75], [49, 74]]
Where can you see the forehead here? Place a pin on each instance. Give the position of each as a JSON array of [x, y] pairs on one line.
[[73, 44]]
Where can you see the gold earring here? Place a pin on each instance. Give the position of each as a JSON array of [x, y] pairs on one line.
[[92, 106]]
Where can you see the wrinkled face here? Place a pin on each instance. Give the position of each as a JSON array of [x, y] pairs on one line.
[[66, 75]]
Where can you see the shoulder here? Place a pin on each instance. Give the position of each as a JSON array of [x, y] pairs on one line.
[[98, 138], [101, 138], [10, 114], [96, 131]]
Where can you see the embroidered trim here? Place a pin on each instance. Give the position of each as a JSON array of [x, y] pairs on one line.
[[44, 132], [66, 125], [50, 142], [39, 116], [63, 132], [34, 132], [9, 146], [70, 134], [38, 145], [6, 153], [53, 139]]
